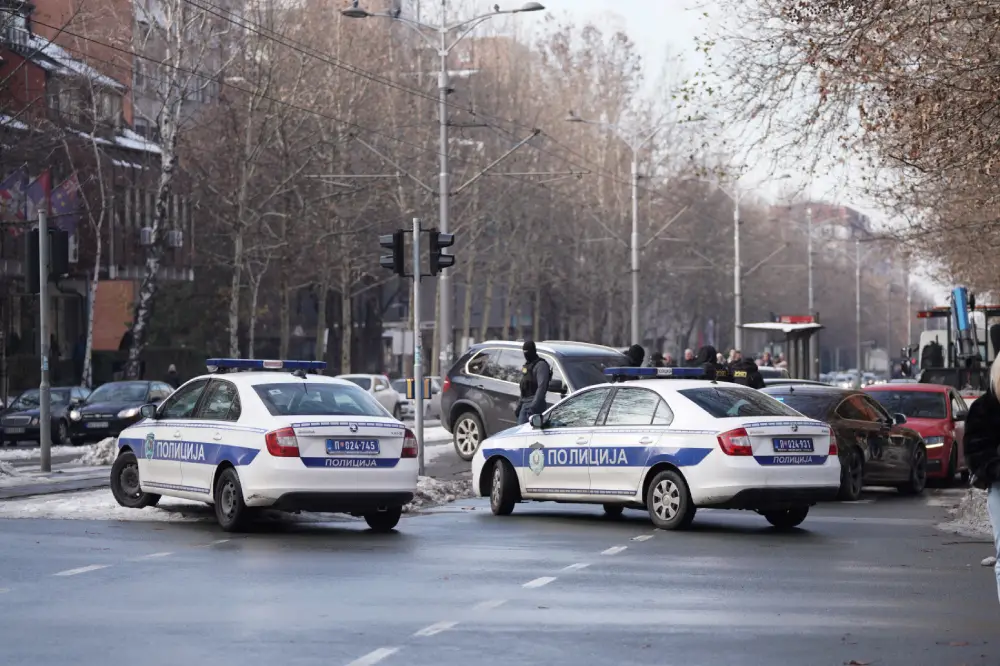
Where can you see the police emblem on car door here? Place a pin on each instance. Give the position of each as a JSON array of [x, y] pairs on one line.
[[536, 459], [150, 446]]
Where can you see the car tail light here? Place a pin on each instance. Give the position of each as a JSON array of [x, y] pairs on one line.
[[736, 443], [446, 385], [282, 443], [409, 444], [833, 444]]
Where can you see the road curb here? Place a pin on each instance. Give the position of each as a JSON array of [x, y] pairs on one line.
[[50, 488]]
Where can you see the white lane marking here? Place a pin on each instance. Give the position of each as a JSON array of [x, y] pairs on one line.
[[374, 657], [577, 566], [435, 628], [614, 550], [80, 570], [538, 582], [154, 555], [642, 537], [489, 605], [216, 543]]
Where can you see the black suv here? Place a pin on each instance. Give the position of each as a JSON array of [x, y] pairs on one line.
[[481, 390]]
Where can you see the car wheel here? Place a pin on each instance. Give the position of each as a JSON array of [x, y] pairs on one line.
[[230, 509], [384, 521], [669, 501], [397, 412], [851, 477], [918, 473], [503, 489], [786, 519], [613, 510], [125, 483], [468, 435], [61, 436], [949, 476]]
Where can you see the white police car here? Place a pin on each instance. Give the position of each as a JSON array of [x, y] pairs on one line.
[[670, 444], [283, 440]]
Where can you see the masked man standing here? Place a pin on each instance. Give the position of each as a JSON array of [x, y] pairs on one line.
[[535, 376]]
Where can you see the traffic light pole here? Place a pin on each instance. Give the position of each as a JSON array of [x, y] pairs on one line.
[[44, 422], [418, 361]]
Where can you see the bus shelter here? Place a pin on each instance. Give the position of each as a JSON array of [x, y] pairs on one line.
[[797, 337]]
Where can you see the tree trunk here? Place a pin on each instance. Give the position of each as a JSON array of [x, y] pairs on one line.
[[321, 325], [87, 378], [484, 325], [234, 295], [346, 321], [252, 335], [536, 320], [285, 315], [436, 343], [466, 308]]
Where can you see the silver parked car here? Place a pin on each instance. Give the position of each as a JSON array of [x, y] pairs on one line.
[[432, 407], [378, 386]]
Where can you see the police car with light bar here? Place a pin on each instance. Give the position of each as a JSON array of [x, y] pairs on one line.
[[273, 435], [671, 443]]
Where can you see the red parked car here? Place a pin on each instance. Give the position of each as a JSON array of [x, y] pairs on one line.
[[938, 413]]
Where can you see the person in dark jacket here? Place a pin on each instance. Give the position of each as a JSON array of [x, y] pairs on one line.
[[746, 373], [635, 355], [656, 360], [173, 378], [535, 376], [707, 359], [982, 441]]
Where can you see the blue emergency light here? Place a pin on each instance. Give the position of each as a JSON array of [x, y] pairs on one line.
[[217, 364], [622, 374]]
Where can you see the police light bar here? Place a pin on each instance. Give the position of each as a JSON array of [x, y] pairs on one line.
[[216, 364], [655, 373]]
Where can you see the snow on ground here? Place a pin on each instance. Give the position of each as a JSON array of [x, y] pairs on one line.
[[436, 434], [970, 516], [7, 471], [35, 453], [434, 451], [431, 491], [102, 453]]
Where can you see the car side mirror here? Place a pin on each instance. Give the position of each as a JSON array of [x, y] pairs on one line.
[[557, 386], [536, 421], [148, 411], [75, 402], [379, 388], [898, 419], [959, 417]]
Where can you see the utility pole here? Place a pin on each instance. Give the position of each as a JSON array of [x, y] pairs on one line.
[[636, 333], [418, 360], [737, 276], [44, 422], [813, 342], [857, 308]]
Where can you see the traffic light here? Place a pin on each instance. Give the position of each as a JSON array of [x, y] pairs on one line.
[[394, 243], [440, 260]]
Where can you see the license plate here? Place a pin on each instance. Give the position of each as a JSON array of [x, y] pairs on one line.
[[366, 447], [14, 431], [97, 424], [793, 445]]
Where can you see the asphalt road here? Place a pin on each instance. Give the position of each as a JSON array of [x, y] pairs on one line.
[[872, 582]]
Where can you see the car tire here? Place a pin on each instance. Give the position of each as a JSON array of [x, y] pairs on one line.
[[468, 435], [384, 521], [613, 510], [949, 477], [230, 510], [918, 473], [397, 412], [668, 501], [787, 519], [125, 483], [852, 474], [503, 488], [61, 436]]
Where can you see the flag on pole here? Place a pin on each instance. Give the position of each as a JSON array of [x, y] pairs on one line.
[[38, 193], [12, 191], [65, 204]]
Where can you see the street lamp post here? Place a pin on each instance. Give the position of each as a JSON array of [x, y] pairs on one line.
[[737, 277], [443, 30]]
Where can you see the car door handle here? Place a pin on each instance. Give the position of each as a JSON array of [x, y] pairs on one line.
[[646, 440], [480, 387], [177, 434], [217, 436], [582, 440]]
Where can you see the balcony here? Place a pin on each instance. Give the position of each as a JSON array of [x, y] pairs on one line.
[[15, 37]]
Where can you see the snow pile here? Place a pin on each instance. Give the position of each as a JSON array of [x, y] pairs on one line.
[[100, 454], [431, 491], [35, 453], [436, 434], [100, 505], [970, 516], [7, 470]]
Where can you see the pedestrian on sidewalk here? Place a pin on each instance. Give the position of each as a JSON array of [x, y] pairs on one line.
[[982, 439], [173, 378]]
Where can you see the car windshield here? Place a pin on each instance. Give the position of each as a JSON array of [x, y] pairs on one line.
[[120, 392], [813, 405], [727, 401], [586, 371], [399, 386], [913, 404], [317, 399], [363, 382], [30, 399]]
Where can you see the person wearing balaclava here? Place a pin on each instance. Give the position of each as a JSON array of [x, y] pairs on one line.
[[635, 355], [535, 376], [707, 358]]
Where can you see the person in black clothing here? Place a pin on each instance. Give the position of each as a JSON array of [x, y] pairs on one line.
[[746, 373], [656, 360], [173, 378], [707, 358], [535, 376], [635, 355], [982, 439]]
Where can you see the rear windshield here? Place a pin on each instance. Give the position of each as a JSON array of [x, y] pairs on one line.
[[913, 404], [726, 401], [363, 382], [589, 370], [399, 386], [316, 399], [814, 406]]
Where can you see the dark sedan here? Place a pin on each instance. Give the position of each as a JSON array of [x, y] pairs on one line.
[[19, 422], [113, 407], [874, 448]]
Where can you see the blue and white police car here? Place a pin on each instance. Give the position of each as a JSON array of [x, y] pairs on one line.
[[271, 436], [671, 444]]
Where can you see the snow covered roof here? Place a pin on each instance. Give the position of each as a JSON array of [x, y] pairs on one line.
[[11, 123], [127, 139], [65, 64]]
